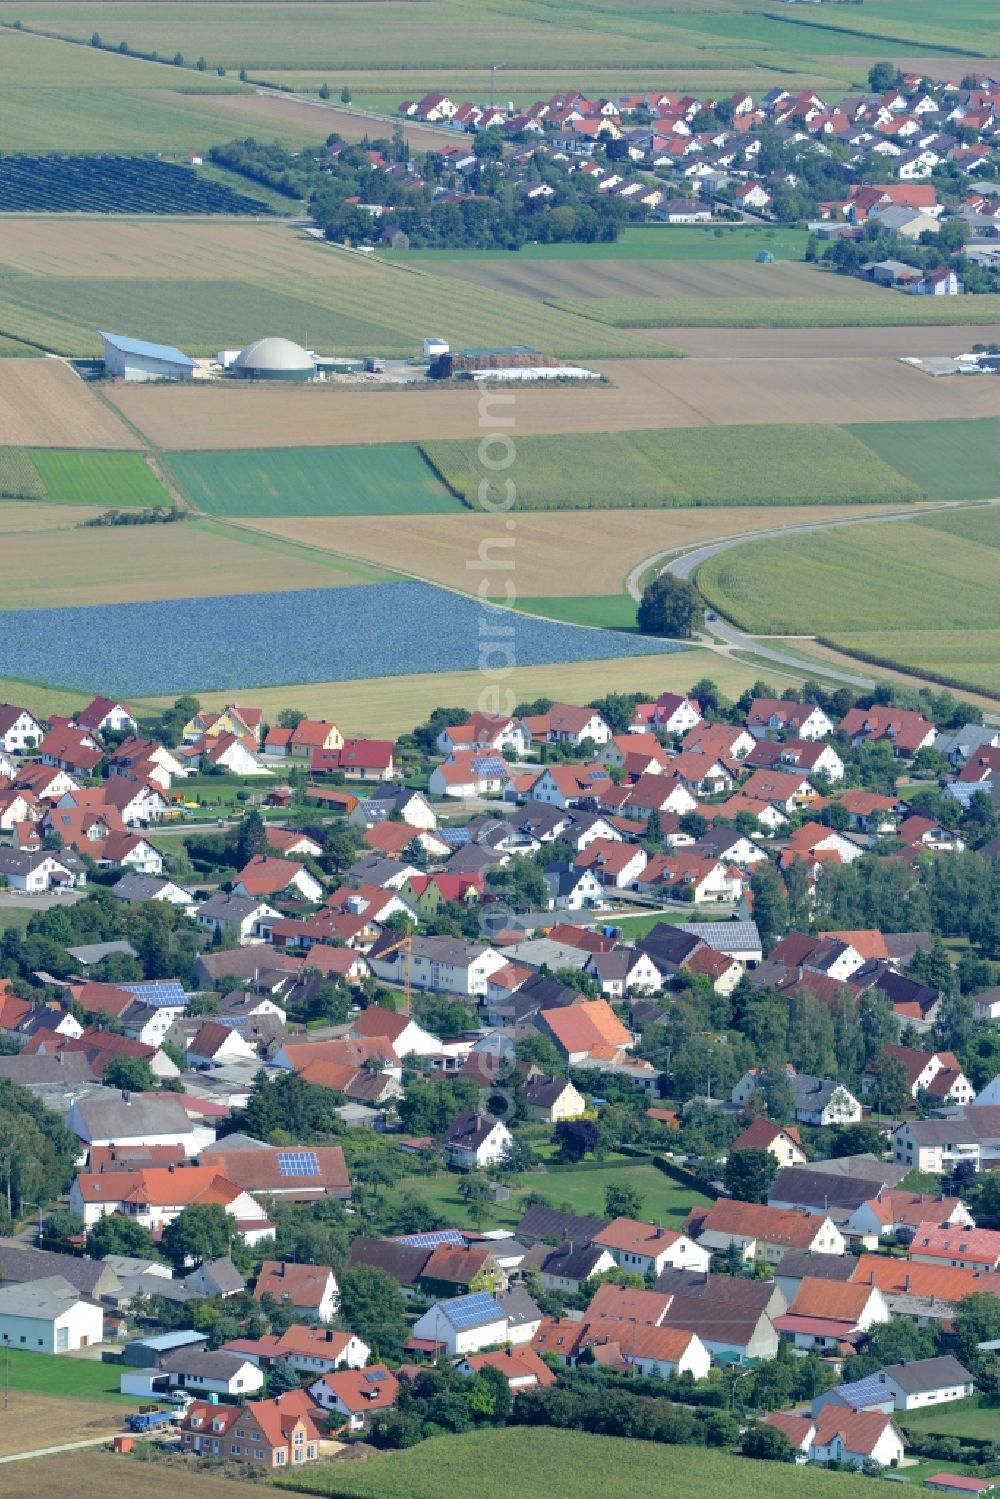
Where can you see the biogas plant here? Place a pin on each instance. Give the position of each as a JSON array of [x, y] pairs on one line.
[[272, 358]]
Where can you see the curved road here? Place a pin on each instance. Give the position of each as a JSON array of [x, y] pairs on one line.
[[720, 634]]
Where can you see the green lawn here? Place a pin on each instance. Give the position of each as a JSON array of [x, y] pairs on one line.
[[963, 1418], [541, 1463], [58, 1374], [800, 464], [635, 927], [579, 1189], [377, 479], [645, 242], [15, 916], [117, 480], [950, 460]]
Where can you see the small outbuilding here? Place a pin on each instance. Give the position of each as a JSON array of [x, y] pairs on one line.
[[134, 359]]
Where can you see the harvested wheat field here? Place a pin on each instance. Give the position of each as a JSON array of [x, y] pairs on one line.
[[643, 393], [190, 559], [66, 1475], [43, 404], [168, 249], [546, 555], [392, 705], [316, 120], [32, 516], [24, 1416], [821, 343]]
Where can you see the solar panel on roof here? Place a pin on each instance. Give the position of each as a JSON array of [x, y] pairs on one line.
[[165, 992], [376, 1376], [433, 1238], [489, 765], [454, 837], [467, 1311], [298, 1163]]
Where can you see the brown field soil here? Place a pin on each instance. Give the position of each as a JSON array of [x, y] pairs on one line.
[[573, 279], [43, 404], [553, 555], [170, 249], [821, 343], [66, 1475], [120, 565], [275, 113], [644, 393], [29, 1421], [391, 705], [32, 516]]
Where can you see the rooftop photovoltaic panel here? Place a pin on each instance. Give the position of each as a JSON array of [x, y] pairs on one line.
[[454, 837], [433, 1238], [489, 765], [468, 1311], [168, 992], [298, 1163]]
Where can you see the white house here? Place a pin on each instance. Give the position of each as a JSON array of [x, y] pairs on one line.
[[138, 1119], [31, 872], [20, 731], [310, 1290], [48, 1316], [650, 1248], [106, 716], [445, 965], [242, 915], [476, 1140], [572, 889], [662, 1352], [926, 1381], [463, 1325]]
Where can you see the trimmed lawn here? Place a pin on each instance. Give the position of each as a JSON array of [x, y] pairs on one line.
[[51, 1374], [577, 1189], [609, 611], [635, 927], [961, 1418]]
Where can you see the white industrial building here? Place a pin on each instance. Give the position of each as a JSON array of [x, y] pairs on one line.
[[48, 1316], [135, 359]]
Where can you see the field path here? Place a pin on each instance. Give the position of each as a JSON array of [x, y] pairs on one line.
[[20, 1457]]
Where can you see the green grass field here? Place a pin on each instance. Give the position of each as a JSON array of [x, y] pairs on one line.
[[778, 465], [541, 1463], [860, 311], [919, 594], [45, 1374], [957, 460], [117, 480], [963, 1418], [611, 611], [381, 479], [371, 309], [579, 1189], [642, 242]]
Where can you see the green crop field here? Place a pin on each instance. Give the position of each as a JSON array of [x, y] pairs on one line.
[[639, 242], [778, 465], [956, 460], [376, 308], [541, 1463], [19, 478], [381, 479], [962, 1418], [918, 594], [856, 309], [118, 481], [612, 611]]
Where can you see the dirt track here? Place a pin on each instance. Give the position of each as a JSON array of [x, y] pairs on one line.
[[644, 393]]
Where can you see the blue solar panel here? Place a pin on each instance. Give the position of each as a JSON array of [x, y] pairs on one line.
[[469, 1311], [489, 765], [454, 837], [162, 992], [298, 1163], [433, 1238]]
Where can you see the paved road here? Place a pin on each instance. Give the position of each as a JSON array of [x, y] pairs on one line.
[[40, 902]]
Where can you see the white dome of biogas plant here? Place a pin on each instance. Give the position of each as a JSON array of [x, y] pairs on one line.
[[274, 359]]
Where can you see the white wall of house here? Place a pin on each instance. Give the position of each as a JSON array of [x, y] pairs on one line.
[[79, 1326]]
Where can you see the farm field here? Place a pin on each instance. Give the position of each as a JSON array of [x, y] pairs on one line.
[[376, 308], [336, 635], [823, 343], [377, 480], [188, 559], [76, 1420], [530, 1462], [793, 465], [951, 460], [641, 394], [932, 577], [83, 1378], [609, 611], [68, 1474], [392, 705], [588, 554], [643, 242], [113, 480], [597, 287], [114, 184], [30, 518], [44, 404], [884, 309]]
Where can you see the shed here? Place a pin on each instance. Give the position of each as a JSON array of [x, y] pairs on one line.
[[134, 359]]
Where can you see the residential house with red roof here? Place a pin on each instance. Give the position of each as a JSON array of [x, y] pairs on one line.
[[649, 1248], [356, 1394], [783, 1142], [268, 1434], [760, 1232], [840, 1435], [904, 730], [265, 877], [20, 731], [104, 715], [310, 1290], [936, 1073], [769, 715]]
